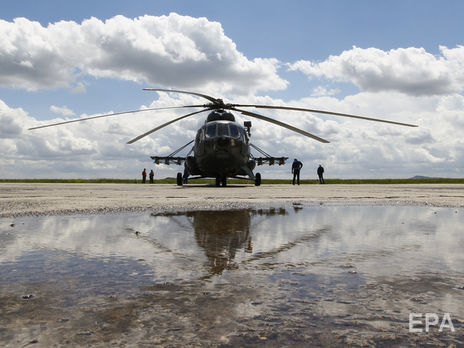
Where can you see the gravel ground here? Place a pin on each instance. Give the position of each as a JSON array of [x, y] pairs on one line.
[[19, 199]]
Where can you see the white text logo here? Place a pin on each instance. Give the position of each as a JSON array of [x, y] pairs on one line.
[[416, 324]]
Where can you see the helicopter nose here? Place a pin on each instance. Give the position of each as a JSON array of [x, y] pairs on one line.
[[223, 142]]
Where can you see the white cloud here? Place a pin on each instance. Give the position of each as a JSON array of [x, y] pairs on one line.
[[12, 121], [79, 88], [61, 110], [322, 91], [412, 71], [169, 50], [33, 57]]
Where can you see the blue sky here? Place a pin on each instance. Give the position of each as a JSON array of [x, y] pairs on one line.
[[395, 38]]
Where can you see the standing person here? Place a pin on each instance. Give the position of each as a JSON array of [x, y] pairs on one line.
[[320, 172], [186, 175], [144, 176], [296, 167], [152, 175]]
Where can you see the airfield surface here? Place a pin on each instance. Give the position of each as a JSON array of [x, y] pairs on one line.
[[19, 199], [140, 265]]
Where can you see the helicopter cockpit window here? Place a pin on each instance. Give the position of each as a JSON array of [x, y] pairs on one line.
[[223, 129], [211, 130], [233, 131]]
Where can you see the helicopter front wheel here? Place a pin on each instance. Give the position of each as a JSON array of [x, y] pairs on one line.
[[221, 181], [258, 179], [179, 179]]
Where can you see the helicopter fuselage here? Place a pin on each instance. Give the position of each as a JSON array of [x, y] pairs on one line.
[[221, 148]]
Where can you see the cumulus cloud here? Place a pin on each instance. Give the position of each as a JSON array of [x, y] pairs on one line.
[[79, 89], [61, 110], [12, 121], [169, 50], [412, 71], [322, 91]]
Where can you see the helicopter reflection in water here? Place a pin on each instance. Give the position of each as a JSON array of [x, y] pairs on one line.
[[222, 233]]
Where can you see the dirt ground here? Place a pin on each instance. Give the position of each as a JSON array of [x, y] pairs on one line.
[[38, 199]]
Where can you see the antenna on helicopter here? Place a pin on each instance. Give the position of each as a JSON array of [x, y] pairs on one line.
[[247, 125]]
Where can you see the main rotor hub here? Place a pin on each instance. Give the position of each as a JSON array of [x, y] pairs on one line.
[[218, 104]]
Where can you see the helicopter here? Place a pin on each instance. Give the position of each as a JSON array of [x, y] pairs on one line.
[[221, 148]]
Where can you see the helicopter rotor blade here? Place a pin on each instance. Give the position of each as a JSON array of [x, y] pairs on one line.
[[282, 124], [164, 125], [325, 112], [114, 114], [211, 99]]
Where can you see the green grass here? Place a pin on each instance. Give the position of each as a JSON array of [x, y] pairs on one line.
[[236, 181]]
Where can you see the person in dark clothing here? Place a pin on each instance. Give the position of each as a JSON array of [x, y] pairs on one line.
[[186, 175], [320, 172], [144, 176], [296, 167], [152, 175]]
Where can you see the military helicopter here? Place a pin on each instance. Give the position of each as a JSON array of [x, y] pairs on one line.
[[222, 146]]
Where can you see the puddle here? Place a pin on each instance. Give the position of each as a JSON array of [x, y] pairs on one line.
[[289, 274]]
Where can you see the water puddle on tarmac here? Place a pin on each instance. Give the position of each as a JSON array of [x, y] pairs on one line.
[[289, 274]]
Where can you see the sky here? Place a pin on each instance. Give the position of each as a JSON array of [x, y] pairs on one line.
[[396, 60]]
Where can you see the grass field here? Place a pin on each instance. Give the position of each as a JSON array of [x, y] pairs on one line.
[[236, 181]]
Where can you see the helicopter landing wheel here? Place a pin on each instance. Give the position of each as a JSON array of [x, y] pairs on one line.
[[179, 179], [224, 181], [218, 181], [257, 179]]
